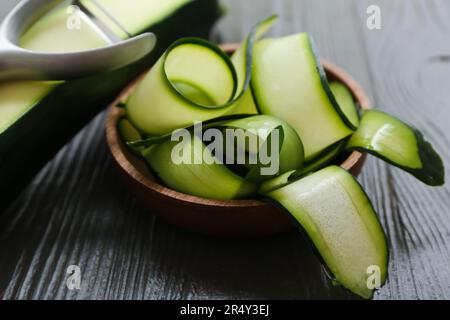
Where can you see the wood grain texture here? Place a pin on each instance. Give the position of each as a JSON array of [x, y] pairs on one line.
[[77, 211]]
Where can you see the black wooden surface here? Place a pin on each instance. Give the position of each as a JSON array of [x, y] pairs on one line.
[[77, 212]]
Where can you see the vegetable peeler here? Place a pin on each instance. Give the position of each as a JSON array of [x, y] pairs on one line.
[[17, 63]]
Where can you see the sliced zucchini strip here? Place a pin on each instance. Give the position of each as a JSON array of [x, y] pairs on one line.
[[291, 153], [48, 34], [17, 98], [129, 133], [392, 140], [240, 59], [346, 101], [51, 34], [207, 178], [325, 158], [276, 183], [340, 220], [212, 123], [251, 138], [160, 104], [289, 83]]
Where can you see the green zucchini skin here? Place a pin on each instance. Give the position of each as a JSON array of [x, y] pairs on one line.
[[291, 154], [212, 180], [156, 152], [28, 144], [346, 102], [382, 139], [129, 133], [276, 183], [333, 210], [325, 158]]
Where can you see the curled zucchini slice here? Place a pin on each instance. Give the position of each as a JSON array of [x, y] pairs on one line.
[[202, 176], [193, 81], [345, 100], [392, 140], [325, 158], [289, 83], [334, 211], [252, 158], [129, 133]]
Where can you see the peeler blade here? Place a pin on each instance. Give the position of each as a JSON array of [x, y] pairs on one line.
[[17, 63]]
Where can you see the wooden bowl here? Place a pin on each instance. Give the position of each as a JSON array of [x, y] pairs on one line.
[[237, 218]]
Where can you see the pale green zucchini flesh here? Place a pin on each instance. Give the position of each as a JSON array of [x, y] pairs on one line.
[[325, 158], [346, 102], [196, 178], [242, 60], [49, 34], [333, 210], [394, 141], [193, 81], [153, 140], [348, 106], [136, 16], [291, 153], [65, 107], [247, 135], [318, 122], [276, 183], [288, 82], [158, 106], [129, 133]]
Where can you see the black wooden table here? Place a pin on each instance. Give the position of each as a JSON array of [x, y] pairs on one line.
[[77, 212]]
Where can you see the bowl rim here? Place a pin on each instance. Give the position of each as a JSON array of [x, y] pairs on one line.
[[116, 146]]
